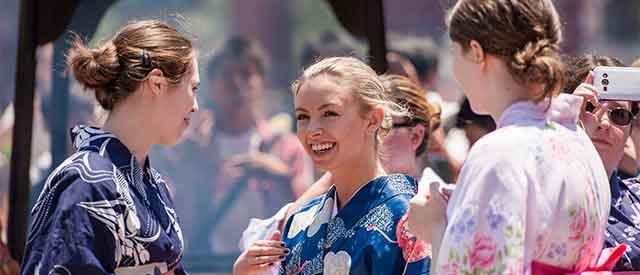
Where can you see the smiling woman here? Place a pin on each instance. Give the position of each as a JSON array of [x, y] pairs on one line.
[[343, 115]]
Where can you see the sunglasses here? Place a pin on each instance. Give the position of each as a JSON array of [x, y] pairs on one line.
[[404, 124], [619, 116]]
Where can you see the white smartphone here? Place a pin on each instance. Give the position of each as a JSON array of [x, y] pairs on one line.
[[617, 83]]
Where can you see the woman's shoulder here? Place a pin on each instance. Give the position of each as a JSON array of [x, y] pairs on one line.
[[82, 174]]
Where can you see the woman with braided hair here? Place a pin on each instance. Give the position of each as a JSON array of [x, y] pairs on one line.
[[533, 196]]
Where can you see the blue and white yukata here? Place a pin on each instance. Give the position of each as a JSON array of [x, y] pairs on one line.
[[366, 236], [624, 221], [101, 213]]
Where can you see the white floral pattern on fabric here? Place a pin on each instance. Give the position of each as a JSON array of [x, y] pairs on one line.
[[323, 217], [337, 263], [302, 220], [533, 190]]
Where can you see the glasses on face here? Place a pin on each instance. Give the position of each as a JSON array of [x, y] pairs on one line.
[[618, 115], [404, 124]]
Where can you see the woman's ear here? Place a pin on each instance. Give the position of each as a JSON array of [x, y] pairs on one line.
[[376, 115], [417, 135], [156, 82], [476, 52]]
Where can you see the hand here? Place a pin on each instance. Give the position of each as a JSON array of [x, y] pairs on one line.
[[261, 256], [231, 172], [588, 92], [8, 266], [257, 165], [427, 209], [266, 163]]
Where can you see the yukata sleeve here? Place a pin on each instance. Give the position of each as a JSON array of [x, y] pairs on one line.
[[64, 239], [486, 226], [395, 250]]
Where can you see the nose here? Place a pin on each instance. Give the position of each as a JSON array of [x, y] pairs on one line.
[[195, 106], [314, 128], [605, 122]]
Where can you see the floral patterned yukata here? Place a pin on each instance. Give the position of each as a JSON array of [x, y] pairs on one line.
[[534, 190], [366, 236]]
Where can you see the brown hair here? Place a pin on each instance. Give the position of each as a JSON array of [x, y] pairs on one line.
[[364, 83], [408, 93], [525, 34], [240, 49], [116, 68]]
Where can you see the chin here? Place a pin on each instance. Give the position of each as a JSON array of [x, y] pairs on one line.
[[171, 139]]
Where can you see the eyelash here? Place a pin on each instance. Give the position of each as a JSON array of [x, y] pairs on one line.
[[330, 113], [326, 114]]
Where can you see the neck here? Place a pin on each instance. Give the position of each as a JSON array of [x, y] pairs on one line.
[[505, 91], [609, 171], [350, 178], [412, 170], [129, 126]]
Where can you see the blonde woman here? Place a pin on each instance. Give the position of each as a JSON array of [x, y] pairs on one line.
[[342, 116]]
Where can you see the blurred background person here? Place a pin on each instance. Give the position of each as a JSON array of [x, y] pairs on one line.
[[418, 58], [475, 126], [247, 166]]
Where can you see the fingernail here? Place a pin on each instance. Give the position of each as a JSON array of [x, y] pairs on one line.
[[286, 251], [281, 257], [270, 263], [282, 244]]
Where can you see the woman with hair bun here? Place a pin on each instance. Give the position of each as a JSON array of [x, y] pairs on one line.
[[105, 210], [533, 196]]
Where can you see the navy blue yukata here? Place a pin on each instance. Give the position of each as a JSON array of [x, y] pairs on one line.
[[101, 213]]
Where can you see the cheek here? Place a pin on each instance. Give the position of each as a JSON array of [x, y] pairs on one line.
[[620, 136]]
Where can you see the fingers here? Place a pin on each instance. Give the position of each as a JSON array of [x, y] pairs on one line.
[[446, 190], [275, 236], [266, 251], [589, 78], [261, 260]]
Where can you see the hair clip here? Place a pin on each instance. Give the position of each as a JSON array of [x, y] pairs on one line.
[[145, 58]]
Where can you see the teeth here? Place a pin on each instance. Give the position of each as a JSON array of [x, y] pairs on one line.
[[321, 147]]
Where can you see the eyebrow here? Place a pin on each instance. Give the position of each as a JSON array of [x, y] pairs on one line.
[[323, 106], [326, 105]]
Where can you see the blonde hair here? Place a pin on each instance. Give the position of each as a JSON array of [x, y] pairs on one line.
[[363, 82]]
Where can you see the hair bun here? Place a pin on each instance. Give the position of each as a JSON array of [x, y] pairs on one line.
[[532, 50], [539, 62], [96, 69]]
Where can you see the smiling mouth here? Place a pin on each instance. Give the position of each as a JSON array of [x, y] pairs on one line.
[[322, 147]]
